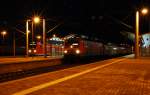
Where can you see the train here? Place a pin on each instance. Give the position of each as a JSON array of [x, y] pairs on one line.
[[80, 46], [54, 47], [84, 46]]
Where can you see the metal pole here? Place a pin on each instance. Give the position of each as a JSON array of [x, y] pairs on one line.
[[32, 34], [137, 54], [32, 43], [27, 41], [14, 44], [44, 39], [3, 37]]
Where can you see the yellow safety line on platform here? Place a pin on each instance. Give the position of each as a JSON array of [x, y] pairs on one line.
[[41, 86]]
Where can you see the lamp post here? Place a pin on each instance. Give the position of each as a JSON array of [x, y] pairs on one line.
[[44, 39], [37, 20], [27, 38], [137, 52], [14, 44], [32, 34]]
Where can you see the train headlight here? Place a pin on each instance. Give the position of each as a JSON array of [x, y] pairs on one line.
[[34, 51], [77, 51], [65, 51], [30, 51]]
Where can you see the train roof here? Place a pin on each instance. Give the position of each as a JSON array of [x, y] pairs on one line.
[[90, 38], [85, 37]]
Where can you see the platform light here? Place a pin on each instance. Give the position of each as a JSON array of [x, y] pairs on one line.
[[36, 19], [144, 11]]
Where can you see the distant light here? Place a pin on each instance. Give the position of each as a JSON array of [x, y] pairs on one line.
[[114, 48], [144, 11], [65, 51], [75, 44], [38, 37], [93, 17], [77, 51], [71, 46], [4, 32], [54, 35], [122, 48]]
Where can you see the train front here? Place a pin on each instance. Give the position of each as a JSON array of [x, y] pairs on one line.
[[72, 47]]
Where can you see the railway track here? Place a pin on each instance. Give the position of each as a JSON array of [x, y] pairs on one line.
[[22, 73]]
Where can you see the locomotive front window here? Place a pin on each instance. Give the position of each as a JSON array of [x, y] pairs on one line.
[[72, 42]]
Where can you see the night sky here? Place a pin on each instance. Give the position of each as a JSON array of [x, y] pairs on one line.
[[100, 18]]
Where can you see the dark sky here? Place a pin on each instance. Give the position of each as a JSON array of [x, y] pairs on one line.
[[15, 9], [93, 17]]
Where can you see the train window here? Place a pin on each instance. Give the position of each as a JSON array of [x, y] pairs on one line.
[[32, 45]]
